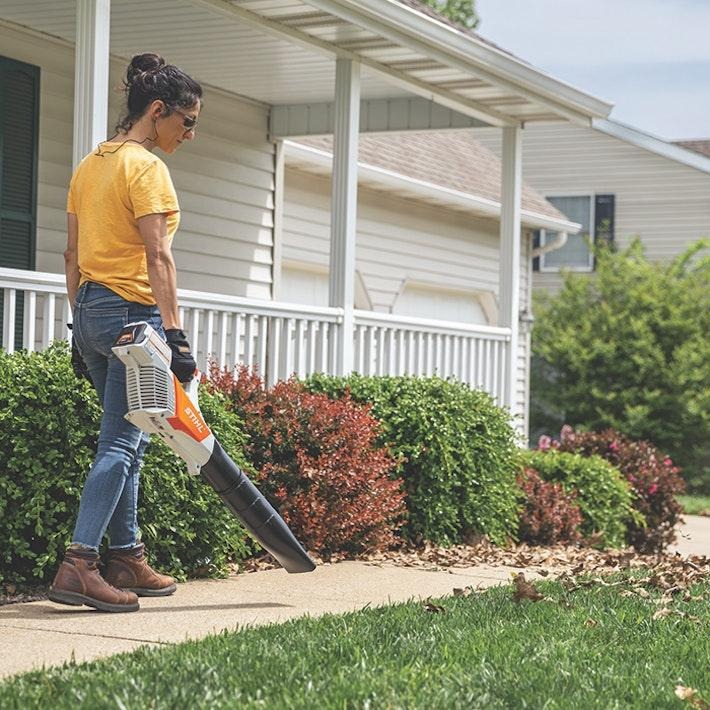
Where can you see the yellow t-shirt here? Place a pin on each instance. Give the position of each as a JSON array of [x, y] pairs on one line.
[[108, 193]]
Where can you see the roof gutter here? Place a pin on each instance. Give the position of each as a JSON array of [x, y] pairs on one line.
[[480, 206], [412, 28]]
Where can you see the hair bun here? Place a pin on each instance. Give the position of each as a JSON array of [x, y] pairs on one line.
[[142, 65]]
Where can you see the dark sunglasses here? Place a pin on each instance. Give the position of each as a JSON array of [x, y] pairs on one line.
[[188, 122]]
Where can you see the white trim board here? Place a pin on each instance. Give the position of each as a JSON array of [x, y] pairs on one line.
[[392, 19], [392, 181], [652, 143]]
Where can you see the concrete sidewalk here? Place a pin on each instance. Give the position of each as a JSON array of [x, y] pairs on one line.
[[40, 634], [44, 633], [693, 537]]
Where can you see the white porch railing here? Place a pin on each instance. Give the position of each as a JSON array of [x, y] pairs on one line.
[[279, 338], [395, 345]]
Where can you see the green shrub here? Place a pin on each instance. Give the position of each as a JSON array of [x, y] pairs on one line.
[[48, 427], [602, 494], [457, 449], [627, 348]]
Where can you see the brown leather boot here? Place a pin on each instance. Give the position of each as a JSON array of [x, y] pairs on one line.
[[78, 582], [129, 569]]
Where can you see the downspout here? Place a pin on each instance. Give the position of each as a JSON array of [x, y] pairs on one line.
[[556, 243]]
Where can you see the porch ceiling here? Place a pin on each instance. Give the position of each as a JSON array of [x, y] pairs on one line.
[[282, 52]]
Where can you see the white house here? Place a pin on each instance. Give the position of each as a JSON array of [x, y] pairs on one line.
[[261, 200], [618, 182]]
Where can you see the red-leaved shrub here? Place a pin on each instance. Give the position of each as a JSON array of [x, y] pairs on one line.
[[318, 462], [652, 475], [549, 514]]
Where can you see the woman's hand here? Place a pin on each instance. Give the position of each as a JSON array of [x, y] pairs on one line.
[[183, 363]]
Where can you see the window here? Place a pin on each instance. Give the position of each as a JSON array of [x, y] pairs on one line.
[[596, 215], [575, 254], [19, 98]]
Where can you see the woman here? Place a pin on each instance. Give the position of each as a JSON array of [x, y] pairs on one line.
[[122, 215]]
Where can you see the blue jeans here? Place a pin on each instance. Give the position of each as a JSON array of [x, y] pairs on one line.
[[110, 494]]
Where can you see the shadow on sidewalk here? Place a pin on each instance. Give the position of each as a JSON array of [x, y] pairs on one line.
[[48, 610]]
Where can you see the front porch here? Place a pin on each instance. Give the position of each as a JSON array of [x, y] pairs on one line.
[[274, 72], [280, 339]]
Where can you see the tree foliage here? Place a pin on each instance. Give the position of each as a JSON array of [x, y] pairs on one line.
[[628, 349], [462, 12]]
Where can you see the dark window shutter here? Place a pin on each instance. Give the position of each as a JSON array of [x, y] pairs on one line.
[[19, 119], [535, 245], [604, 219]]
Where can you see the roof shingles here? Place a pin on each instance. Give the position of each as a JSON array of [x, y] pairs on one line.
[[701, 146], [453, 160]]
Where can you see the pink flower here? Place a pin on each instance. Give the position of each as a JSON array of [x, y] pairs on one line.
[[652, 489], [667, 461], [613, 446], [544, 443]]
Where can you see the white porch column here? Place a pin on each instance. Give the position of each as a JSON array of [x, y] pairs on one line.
[[344, 206], [509, 277], [93, 30]]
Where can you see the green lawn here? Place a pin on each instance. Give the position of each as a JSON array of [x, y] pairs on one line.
[[695, 505], [592, 648]]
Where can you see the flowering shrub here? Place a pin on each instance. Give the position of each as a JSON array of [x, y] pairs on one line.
[[603, 496], [550, 515], [317, 460], [654, 480]]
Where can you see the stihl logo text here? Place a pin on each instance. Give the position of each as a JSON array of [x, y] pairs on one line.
[[195, 419]]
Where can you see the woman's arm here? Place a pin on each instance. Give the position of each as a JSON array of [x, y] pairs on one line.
[[71, 258], [161, 267]]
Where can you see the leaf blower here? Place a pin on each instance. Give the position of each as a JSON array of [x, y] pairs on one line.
[[159, 404]]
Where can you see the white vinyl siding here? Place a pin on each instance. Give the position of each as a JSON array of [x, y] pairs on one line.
[[224, 177], [522, 382], [397, 240], [402, 241], [664, 202]]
